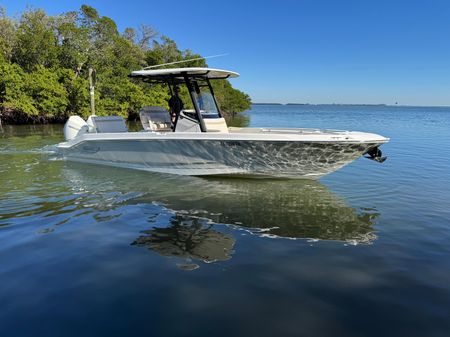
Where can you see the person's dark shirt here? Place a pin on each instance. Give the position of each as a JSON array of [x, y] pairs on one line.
[[175, 104]]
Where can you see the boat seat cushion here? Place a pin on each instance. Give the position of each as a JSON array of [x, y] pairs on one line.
[[155, 118], [107, 124], [216, 125]]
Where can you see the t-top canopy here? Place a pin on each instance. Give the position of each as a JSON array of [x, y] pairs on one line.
[[178, 73]]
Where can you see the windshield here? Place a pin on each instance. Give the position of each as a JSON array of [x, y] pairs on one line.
[[206, 103], [205, 100]]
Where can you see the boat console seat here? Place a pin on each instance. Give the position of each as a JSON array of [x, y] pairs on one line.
[[155, 118], [106, 124], [213, 122], [216, 125]]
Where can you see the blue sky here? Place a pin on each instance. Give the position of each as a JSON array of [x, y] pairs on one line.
[[316, 51]]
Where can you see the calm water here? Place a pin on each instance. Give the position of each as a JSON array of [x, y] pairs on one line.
[[95, 251]]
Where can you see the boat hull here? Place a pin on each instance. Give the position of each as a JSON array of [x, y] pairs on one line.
[[257, 158]]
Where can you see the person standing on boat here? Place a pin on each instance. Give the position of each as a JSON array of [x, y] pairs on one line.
[[175, 104]]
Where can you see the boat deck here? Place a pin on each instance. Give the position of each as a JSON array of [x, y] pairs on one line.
[[298, 131]]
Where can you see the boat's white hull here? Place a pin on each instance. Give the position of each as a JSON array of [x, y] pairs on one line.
[[256, 154]]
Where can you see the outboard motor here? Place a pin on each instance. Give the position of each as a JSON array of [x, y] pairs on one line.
[[74, 127], [375, 153]]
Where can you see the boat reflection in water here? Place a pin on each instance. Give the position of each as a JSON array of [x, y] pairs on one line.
[[267, 208]]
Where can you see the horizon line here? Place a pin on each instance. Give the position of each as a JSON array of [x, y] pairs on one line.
[[355, 104]]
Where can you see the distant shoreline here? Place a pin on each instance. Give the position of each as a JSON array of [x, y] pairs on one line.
[[334, 104], [356, 104]]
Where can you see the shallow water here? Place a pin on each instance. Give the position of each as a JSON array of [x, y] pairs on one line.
[[92, 251]]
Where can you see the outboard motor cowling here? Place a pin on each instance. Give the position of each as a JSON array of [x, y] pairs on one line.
[[375, 153], [74, 127]]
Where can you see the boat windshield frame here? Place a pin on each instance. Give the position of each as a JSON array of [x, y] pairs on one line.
[[193, 82]]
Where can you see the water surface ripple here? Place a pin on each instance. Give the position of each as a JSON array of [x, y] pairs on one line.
[[96, 251]]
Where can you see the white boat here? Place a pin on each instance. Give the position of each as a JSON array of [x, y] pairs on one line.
[[199, 142]]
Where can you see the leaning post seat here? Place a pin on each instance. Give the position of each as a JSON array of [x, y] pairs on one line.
[[155, 118], [216, 125], [106, 124], [213, 122]]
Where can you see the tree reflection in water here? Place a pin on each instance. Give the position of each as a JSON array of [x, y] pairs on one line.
[[188, 238]]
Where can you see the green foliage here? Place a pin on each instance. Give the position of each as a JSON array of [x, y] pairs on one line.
[[165, 51], [48, 94], [7, 35], [74, 43], [230, 100], [77, 94], [13, 92], [44, 62], [89, 13], [35, 41]]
